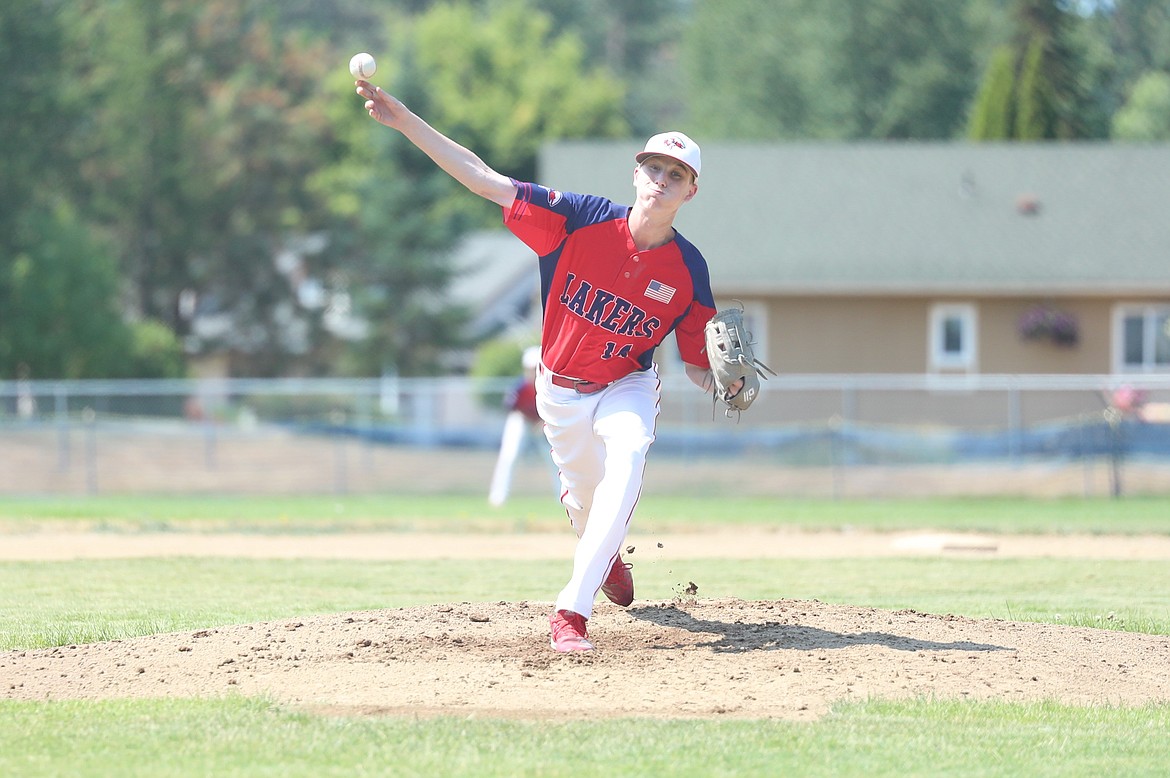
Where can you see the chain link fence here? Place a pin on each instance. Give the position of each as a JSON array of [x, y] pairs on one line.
[[808, 435]]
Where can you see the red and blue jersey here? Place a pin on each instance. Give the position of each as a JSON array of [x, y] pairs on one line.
[[608, 305]]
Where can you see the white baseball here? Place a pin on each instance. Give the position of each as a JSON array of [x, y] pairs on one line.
[[362, 66]]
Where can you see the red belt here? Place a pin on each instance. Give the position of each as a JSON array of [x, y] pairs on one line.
[[582, 387]]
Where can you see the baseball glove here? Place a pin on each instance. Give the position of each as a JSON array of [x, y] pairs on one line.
[[729, 350]]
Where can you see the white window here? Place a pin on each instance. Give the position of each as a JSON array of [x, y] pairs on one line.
[[1141, 339], [953, 343]]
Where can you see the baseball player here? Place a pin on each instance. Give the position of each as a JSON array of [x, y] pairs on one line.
[[615, 280], [522, 415]]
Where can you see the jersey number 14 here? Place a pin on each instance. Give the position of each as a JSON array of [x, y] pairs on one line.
[[611, 348]]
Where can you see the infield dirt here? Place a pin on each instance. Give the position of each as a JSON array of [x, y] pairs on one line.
[[686, 657]]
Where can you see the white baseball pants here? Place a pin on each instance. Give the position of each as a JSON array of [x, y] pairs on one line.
[[599, 443]]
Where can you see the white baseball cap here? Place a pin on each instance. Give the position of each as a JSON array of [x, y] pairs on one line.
[[674, 145]]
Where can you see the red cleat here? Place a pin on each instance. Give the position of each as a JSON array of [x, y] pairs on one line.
[[619, 585], [568, 632]]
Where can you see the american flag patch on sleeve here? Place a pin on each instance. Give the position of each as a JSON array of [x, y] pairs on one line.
[[660, 291]]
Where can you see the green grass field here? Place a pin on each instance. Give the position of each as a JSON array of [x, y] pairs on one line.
[[462, 513], [56, 603], [252, 738]]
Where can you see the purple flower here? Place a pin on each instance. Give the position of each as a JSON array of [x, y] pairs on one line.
[[1042, 322]]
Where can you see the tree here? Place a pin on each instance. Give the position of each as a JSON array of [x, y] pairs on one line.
[[994, 116], [395, 221], [59, 284], [756, 73], [768, 69], [215, 162], [204, 125], [137, 177], [30, 108], [1146, 115], [1036, 87], [58, 313], [1127, 40], [1036, 112], [1138, 35], [639, 44], [486, 89], [470, 72], [904, 67]]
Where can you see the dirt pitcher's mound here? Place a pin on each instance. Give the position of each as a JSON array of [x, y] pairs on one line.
[[705, 658]]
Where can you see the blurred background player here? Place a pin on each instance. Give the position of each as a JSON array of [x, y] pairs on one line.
[[522, 418]]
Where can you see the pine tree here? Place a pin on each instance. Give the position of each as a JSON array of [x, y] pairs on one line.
[[1032, 89]]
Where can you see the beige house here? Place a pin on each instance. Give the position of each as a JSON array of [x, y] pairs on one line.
[[928, 258]]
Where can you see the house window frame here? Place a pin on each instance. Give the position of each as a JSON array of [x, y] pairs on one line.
[[1149, 313], [966, 359]]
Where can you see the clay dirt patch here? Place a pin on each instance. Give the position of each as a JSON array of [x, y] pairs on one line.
[[705, 658], [682, 658]]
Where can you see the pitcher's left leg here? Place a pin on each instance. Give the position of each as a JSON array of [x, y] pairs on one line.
[[624, 422]]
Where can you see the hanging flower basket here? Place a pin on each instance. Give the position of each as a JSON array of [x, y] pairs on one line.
[[1043, 322]]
